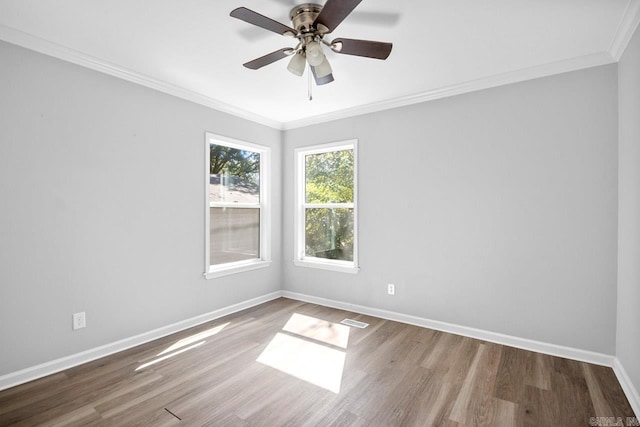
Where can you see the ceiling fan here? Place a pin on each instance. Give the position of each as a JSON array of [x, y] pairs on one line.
[[311, 23]]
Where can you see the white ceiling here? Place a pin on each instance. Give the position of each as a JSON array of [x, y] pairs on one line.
[[195, 50]]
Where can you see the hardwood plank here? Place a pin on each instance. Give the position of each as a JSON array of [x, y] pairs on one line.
[[576, 402], [435, 402], [504, 413], [539, 370], [482, 406], [473, 405], [393, 375], [25, 395], [354, 381], [600, 404], [512, 374], [347, 419], [605, 380], [397, 409], [540, 408]]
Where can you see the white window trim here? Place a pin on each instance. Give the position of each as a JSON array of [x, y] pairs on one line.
[[213, 271], [299, 259]]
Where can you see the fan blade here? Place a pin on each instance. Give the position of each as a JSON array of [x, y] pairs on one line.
[[333, 13], [268, 58], [368, 48], [321, 80], [255, 18]]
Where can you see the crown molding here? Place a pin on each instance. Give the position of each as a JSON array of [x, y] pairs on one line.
[[516, 76], [626, 29], [623, 35], [55, 50]]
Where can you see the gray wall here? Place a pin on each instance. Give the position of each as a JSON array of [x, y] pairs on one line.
[[628, 338], [495, 210], [102, 209]]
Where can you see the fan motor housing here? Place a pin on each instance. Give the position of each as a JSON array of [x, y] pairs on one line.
[[303, 16]]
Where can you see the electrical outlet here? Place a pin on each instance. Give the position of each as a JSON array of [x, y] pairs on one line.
[[79, 320], [391, 289]]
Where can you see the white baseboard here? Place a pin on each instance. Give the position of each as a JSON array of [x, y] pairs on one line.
[[627, 386], [48, 368], [511, 341]]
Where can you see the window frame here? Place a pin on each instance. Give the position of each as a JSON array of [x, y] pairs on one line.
[[213, 271], [299, 257]]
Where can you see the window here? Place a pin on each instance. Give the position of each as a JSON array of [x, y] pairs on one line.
[[326, 208], [237, 215]]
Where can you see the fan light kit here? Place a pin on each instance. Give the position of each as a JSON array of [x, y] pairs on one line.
[[311, 23]]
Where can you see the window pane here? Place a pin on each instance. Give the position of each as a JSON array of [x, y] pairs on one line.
[[234, 175], [235, 234], [329, 177], [329, 233]]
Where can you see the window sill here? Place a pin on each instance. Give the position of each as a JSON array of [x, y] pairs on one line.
[[343, 267], [233, 268]]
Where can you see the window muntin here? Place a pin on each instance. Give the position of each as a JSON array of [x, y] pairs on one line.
[[237, 224], [326, 220]]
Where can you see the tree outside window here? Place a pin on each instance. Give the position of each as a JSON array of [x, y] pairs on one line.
[[236, 204], [327, 205]]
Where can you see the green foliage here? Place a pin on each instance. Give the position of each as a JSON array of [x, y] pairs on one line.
[[329, 233], [234, 162], [329, 179]]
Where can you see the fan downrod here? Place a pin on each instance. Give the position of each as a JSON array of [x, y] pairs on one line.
[[303, 16]]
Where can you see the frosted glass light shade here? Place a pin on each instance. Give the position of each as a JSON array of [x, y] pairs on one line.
[[324, 69], [297, 64], [314, 54]]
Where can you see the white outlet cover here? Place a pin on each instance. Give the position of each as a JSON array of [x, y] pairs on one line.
[[79, 320]]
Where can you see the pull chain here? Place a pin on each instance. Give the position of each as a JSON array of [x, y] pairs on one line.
[[309, 84]]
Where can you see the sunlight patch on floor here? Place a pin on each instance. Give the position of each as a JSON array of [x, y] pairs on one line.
[[194, 338], [181, 346], [314, 363], [317, 329], [160, 359], [306, 349]]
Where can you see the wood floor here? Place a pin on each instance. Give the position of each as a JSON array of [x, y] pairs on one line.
[[287, 363]]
